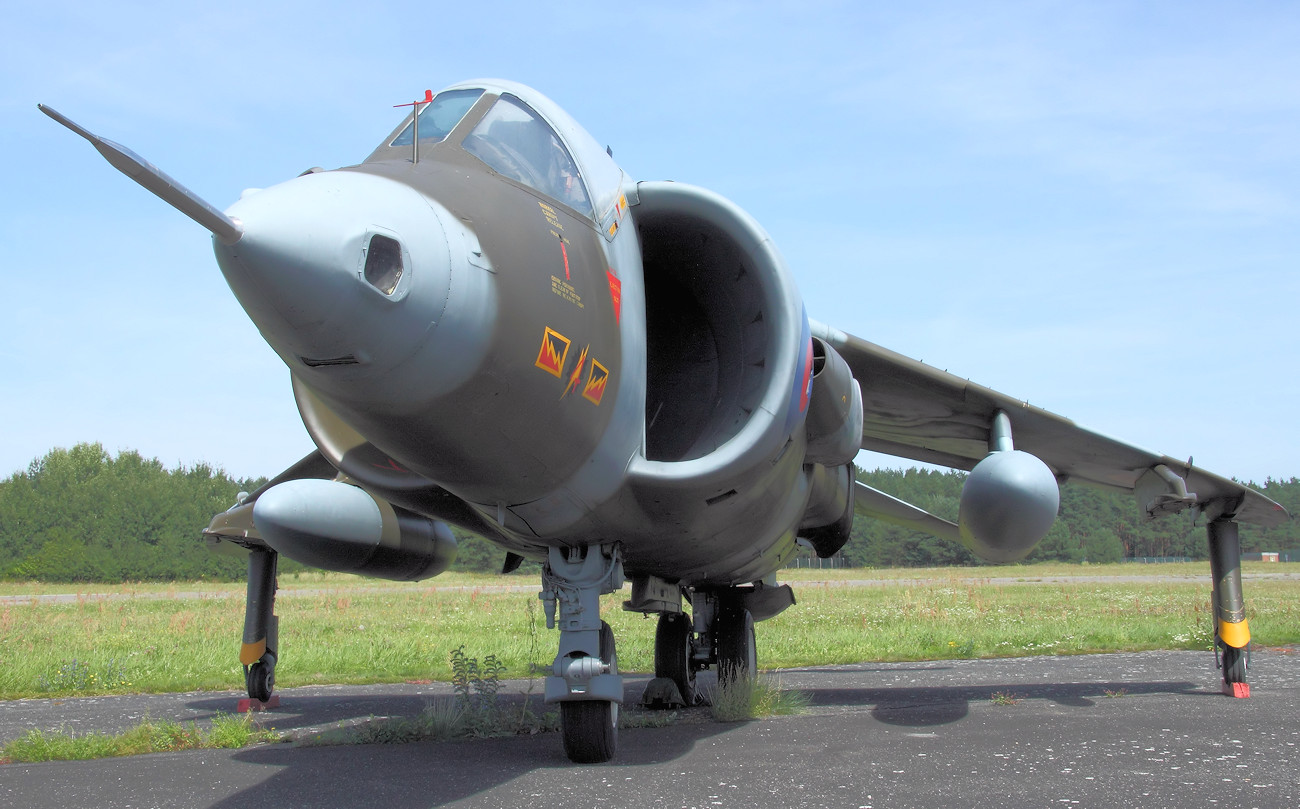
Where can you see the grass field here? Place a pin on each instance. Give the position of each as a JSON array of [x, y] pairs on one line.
[[1197, 571], [341, 629]]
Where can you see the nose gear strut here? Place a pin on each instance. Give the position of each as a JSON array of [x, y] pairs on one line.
[[585, 679]]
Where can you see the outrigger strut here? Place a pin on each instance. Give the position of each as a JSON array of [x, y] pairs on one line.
[[261, 645], [1161, 490], [1231, 631]]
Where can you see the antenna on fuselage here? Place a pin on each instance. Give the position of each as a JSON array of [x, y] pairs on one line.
[[415, 123]]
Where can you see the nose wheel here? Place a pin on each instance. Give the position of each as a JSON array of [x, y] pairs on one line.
[[590, 727], [585, 679]]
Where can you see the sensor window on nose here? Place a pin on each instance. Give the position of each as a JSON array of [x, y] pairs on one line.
[[384, 263]]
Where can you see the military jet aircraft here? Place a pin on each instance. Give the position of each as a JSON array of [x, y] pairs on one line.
[[488, 324]]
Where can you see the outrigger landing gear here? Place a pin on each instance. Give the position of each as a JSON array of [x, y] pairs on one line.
[[261, 628], [585, 681], [1231, 632]]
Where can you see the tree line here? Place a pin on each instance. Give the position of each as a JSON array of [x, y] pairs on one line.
[[1093, 525], [83, 515]]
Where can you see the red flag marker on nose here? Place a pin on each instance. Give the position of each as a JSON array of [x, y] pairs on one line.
[[428, 97], [415, 123]]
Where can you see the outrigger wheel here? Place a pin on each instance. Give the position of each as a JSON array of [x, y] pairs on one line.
[[590, 727], [1233, 662], [260, 678]]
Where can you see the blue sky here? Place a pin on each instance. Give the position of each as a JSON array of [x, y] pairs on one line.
[[1092, 206]]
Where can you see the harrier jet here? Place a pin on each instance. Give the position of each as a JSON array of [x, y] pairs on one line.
[[488, 324]]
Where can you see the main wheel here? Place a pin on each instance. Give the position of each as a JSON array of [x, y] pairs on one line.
[[737, 647], [590, 727], [673, 653], [260, 679]]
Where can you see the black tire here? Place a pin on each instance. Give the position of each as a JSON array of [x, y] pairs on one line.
[[590, 727], [673, 653], [1234, 664], [260, 680], [737, 646], [590, 730]]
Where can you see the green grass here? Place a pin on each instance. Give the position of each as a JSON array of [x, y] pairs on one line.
[[756, 696], [1199, 571], [316, 579], [847, 625], [147, 737], [442, 719], [359, 631], [306, 580]]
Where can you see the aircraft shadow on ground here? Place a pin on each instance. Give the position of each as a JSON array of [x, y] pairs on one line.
[[299, 711], [304, 710], [929, 706], [432, 773], [423, 774]]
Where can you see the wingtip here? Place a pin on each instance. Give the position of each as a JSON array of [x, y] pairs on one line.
[[66, 121]]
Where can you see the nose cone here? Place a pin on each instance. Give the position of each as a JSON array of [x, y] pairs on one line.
[[327, 262]]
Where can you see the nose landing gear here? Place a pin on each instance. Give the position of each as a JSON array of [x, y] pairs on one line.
[[585, 679]]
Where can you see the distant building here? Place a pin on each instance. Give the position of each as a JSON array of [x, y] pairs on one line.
[[1267, 556]]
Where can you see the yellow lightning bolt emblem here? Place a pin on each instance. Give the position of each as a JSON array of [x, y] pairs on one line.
[[576, 376]]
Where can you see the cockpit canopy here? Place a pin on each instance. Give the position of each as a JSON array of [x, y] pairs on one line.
[[523, 136], [438, 118], [519, 145]]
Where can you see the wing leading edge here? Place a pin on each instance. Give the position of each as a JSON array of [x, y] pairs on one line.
[[915, 411]]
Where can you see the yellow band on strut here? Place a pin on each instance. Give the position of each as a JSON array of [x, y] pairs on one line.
[[250, 653], [1235, 635]]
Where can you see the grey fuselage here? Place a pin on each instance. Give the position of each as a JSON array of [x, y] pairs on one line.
[[630, 363]]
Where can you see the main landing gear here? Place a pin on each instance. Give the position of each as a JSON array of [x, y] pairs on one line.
[[721, 634], [737, 647], [261, 628], [673, 663]]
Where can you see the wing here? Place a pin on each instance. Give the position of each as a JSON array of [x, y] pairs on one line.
[[236, 524], [915, 411]]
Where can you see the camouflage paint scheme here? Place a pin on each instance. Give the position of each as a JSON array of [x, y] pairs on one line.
[[489, 324]]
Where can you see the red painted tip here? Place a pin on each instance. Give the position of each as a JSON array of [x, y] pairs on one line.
[[428, 97], [249, 704], [1236, 690]]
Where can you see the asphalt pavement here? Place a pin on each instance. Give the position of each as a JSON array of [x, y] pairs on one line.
[[1147, 729]]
